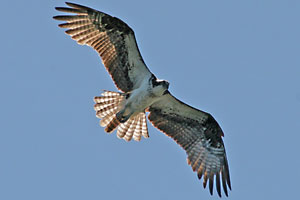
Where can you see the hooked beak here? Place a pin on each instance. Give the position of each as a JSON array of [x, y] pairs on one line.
[[166, 83]]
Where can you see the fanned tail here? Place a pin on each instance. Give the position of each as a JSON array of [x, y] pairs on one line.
[[108, 105], [106, 108], [134, 127]]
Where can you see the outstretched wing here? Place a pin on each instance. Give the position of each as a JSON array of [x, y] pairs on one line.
[[198, 134], [113, 39]]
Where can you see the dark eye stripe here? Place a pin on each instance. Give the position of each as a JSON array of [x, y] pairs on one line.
[[154, 82]]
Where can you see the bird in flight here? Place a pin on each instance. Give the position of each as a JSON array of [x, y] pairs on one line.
[[196, 131]]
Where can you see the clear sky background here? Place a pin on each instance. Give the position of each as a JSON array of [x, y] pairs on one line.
[[238, 60]]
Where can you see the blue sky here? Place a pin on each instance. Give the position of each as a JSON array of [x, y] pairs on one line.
[[238, 60]]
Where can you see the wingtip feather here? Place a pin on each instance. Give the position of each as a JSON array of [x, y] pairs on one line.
[[211, 184], [74, 5], [70, 10], [224, 183], [218, 184]]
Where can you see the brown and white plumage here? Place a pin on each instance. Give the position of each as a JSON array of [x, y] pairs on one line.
[[134, 128], [106, 108], [197, 132], [111, 38]]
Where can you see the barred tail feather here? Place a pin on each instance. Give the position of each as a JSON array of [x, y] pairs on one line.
[[138, 130], [129, 132], [108, 105], [106, 108], [144, 126], [107, 119], [135, 128], [141, 128], [114, 123], [123, 128]]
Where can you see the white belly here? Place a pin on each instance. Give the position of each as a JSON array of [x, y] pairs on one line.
[[139, 101], [141, 98]]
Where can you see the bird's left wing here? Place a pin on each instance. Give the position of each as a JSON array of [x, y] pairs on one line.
[[113, 39], [199, 134]]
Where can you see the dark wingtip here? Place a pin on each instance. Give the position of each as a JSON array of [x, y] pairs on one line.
[[218, 184], [199, 175], [69, 3], [74, 5], [219, 193], [60, 17], [226, 193], [62, 25], [227, 174], [228, 181], [60, 9], [229, 185], [224, 183], [204, 181], [211, 185]]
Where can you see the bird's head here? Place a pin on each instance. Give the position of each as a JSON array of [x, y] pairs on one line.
[[158, 86]]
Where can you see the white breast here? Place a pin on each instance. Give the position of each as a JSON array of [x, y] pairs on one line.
[[140, 98]]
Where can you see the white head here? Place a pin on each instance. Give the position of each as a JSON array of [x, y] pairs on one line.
[[158, 87]]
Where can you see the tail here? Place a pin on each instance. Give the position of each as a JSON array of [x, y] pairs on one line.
[[108, 105]]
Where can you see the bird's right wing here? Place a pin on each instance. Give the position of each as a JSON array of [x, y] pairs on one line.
[[113, 39]]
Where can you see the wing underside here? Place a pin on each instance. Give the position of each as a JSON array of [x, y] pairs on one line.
[[199, 135], [113, 39]]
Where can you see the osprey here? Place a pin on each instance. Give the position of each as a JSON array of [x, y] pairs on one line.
[[197, 132]]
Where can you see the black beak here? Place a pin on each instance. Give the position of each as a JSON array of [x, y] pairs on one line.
[[166, 84]]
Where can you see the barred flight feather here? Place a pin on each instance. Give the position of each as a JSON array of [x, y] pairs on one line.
[[71, 18], [74, 24], [113, 39], [200, 136], [71, 10]]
